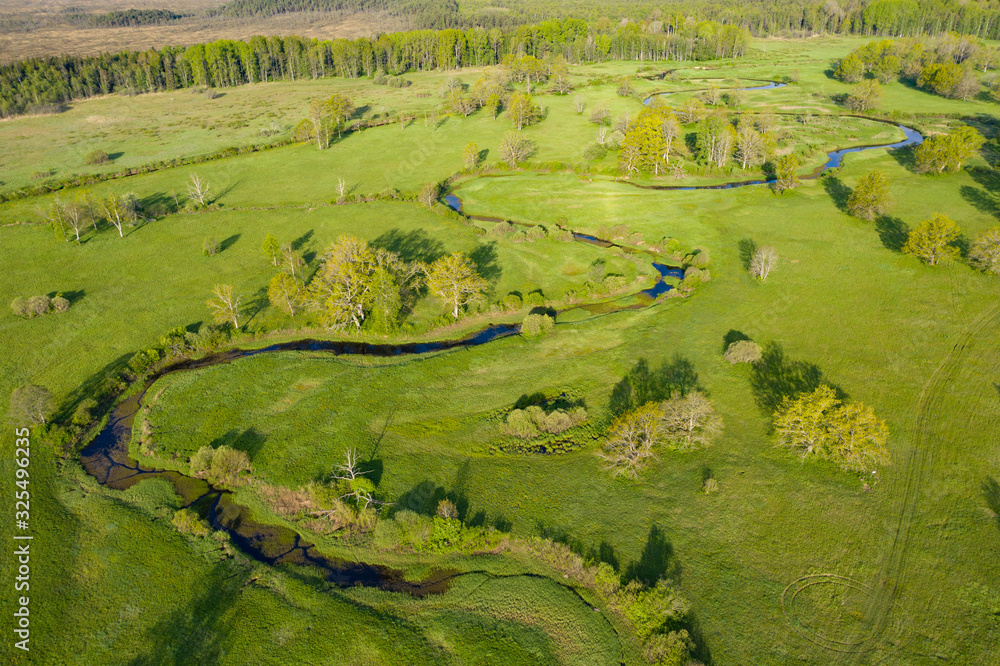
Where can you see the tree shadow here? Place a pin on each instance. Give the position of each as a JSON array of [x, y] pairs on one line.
[[424, 497], [981, 200], [775, 378], [656, 562], [747, 248], [601, 552], [641, 385], [486, 260], [839, 193], [159, 204], [411, 246], [72, 296], [302, 240], [733, 336], [906, 157], [250, 441], [498, 522], [115, 156], [991, 491], [229, 242], [196, 633], [483, 155], [93, 388], [893, 232], [229, 188]]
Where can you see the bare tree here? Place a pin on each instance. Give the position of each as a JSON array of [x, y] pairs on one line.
[[602, 136], [763, 261], [429, 194], [690, 421], [114, 208], [632, 441], [580, 103], [225, 305], [515, 149], [341, 187], [293, 260], [75, 216], [198, 189]]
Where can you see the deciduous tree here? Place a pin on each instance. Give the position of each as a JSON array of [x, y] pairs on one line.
[[271, 249], [786, 173], [456, 282], [225, 305], [283, 293], [522, 110], [985, 251], [933, 240], [947, 152], [864, 97], [870, 197], [763, 261], [515, 149], [30, 404], [198, 190]]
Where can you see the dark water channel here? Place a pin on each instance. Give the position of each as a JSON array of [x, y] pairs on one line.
[[107, 460]]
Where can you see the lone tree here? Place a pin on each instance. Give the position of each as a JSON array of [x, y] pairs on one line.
[[470, 156], [785, 172], [515, 149], [522, 111], [689, 421], [985, 251], [947, 152], [817, 424], [454, 279], [225, 305], [271, 249], [31, 404], [198, 190], [933, 240], [870, 197], [429, 194], [762, 262]]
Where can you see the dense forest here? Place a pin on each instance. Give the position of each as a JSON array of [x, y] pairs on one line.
[[892, 18], [33, 85], [128, 18]]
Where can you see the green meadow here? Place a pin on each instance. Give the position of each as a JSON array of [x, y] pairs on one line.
[[908, 559]]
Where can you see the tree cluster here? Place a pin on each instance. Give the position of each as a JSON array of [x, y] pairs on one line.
[[947, 152], [818, 424], [37, 306], [529, 422], [680, 423]]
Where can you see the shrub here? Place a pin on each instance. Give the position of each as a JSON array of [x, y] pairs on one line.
[[595, 152], [535, 299], [96, 157], [60, 304], [519, 424], [188, 522], [211, 93], [20, 307], [743, 351], [38, 305], [210, 247], [512, 301], [537, 324], [83, 415]]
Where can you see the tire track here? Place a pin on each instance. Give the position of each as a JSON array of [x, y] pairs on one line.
[[892, 573]]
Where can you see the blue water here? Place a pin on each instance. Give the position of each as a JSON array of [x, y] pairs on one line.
[[768, 86], [662, 287], [453, 202], [913, 138]]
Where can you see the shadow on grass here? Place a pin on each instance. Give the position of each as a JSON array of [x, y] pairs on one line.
[[602, 552], [733, 336], [250, 441], [487, 261], [991, 491], [641, 384], [893, 232], [229, 242], [839, 193], [981, 200], [196, 633], [906, 157], [747, 247], [91, 388], [656, 562], [775, 378], [411, 246]]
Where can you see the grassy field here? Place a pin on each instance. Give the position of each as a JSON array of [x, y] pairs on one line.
[[917, 343]]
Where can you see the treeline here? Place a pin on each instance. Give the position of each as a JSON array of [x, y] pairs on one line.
[[430, 14], [891, 18], [38, 83], [129, 18]]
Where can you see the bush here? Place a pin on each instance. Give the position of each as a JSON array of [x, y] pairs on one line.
[[595, 152], [743, 351], [537, 324], [519, 424], [211, 247], [188, 522], [535, 299], [60, 304], [20, 307], [38, 305], [83, 414], [96, 157], [512, 301]]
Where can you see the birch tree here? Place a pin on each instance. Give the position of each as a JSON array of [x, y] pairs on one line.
[[225, 305]]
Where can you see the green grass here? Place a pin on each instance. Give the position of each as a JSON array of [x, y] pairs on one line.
[[915, 342]]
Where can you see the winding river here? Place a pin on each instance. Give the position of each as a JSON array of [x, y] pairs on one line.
[[107, 458]]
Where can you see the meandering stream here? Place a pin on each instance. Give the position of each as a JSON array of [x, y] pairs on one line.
[[107, 458]]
